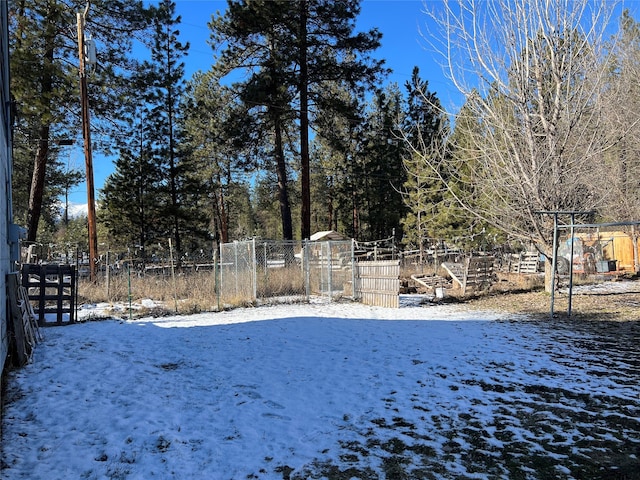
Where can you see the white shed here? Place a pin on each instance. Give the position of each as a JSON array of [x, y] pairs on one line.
[[326, 235]]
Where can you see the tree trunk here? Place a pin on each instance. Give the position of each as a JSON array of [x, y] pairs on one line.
[[175, 213], [37, 183], [223, 217], [283, 193], [142, 190], [304, 125], [355, 224], [42, 153], [548, 275], [331, 221]]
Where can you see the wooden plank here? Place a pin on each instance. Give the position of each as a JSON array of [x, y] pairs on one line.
[[455, 271], [525, 263], [529, 262], [27, 311], [479, 273], [22, 348], [379, 283], [430, 282]]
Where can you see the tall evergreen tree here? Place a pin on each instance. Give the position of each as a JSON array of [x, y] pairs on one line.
[[424, 130], [223, 147], [337, 163], [328, 50], [254, 27], [298, 47], [384, 172], [153, 173], [44, 59], [165, 76], [129, 206]]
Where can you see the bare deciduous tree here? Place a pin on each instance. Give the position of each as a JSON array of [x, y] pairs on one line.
[[533, 73], [622, 102]]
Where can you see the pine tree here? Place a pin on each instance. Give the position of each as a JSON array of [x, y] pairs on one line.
[[328, 50], [424, 130], [165, 76], [157, 171], [254, 27], [129, 199], [44, 83], [296, 47], [384, 172], [336, 162], [224, 147]]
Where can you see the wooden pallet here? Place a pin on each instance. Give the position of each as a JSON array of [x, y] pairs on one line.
[[476, 273], [525, 263]]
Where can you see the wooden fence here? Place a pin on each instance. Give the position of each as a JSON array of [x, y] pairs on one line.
[[378, 283], [53, 290]]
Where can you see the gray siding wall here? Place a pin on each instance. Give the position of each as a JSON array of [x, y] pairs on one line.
[[5, 177]]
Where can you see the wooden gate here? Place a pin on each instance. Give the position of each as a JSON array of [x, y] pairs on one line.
[[53, 289], [378, 283]]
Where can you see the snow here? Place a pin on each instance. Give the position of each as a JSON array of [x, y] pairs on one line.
[[292, 391]]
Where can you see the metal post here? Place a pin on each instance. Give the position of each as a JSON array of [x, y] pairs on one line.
[[255, 269], [216, 275], [572, 230], [129, 288], [86, 134], [107, 276], [235, 264], [306, 268], [329, 269], [173, 277], [353, 269], [554, 261]]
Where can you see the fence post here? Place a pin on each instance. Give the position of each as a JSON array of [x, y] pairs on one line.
[[306, 268], [329, 269], [254, 269], [235, 264], [353, 269], [107, 274], [173, 277], [129, 288], [217, 272]]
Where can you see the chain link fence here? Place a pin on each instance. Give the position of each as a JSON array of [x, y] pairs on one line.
[[284, 271], [329, 268]]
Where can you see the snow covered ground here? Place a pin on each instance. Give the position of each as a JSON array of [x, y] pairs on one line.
[[335, 391]]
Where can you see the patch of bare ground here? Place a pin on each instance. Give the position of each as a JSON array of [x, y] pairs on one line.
[[586, 304]]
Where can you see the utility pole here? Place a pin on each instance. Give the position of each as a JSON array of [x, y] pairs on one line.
[[86, 135]]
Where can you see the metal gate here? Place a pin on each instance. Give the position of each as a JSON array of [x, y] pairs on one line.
[[284, 271], [328, 267]]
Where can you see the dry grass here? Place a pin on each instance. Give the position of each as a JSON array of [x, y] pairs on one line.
[[197, 292], [191, 293], [535, 302], [280, 282]]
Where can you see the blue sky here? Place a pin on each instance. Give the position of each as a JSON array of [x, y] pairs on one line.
[[400, 22]]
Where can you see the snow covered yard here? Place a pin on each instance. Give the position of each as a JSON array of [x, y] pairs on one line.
[[335, 391]]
